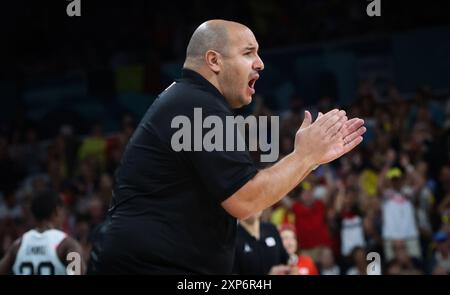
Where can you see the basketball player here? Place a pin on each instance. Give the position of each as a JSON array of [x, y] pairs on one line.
[[43, 250]]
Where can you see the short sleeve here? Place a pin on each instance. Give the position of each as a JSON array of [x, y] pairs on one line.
[[223, 172]]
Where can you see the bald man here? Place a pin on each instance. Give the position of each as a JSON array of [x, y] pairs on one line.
[[174, 211]]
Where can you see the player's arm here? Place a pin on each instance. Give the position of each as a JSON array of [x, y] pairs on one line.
[[67, 246], [318, 142], [7, 262]]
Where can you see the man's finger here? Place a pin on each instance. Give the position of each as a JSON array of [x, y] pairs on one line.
[[332, 120], [307, 120], [326, 116], [352, 144], [319, 115], [349, 138], [351, 126], [337, 126], [351, 122]]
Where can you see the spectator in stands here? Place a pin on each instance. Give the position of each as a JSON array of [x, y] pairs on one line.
[[327, 264], [399, 218], [94, 145], [441, 255], [310, 222], [359, 262], [350, 219], [403, 263], [305, 265], [259, 249]]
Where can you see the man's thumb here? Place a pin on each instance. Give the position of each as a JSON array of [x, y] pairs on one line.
[[307, 120]]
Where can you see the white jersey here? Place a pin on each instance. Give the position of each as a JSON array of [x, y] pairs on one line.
[[399, 221], [37, 253], [352, 234]]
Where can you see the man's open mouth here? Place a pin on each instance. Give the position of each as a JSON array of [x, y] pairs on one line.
[[251, 83]]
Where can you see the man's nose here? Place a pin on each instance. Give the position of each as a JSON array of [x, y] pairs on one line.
[[258, 65]]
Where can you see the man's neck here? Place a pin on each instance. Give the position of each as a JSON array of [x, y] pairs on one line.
[[205, 73], [44, 226]]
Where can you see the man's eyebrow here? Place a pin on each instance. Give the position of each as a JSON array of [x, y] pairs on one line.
[[250, 47]]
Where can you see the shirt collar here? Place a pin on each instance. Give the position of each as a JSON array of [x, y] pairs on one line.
[[196, 78]]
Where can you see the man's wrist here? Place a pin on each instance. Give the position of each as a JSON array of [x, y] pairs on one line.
[[305, 160]]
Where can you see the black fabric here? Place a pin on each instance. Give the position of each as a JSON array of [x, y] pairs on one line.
[[256, 257], [168, 217]]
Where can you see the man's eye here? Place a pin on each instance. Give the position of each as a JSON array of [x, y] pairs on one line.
[[248, 53]]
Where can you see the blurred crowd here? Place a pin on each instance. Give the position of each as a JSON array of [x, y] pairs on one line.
[[391, 195]]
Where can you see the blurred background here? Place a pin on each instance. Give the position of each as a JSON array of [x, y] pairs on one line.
[[72, 90]]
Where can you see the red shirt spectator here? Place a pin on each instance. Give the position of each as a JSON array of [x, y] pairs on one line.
[[310, 221]]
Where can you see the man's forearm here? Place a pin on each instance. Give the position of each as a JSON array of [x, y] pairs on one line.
[[278, 180], [271, 184], [319, 142]]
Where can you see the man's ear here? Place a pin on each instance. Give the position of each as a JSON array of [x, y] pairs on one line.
[[212, 59]]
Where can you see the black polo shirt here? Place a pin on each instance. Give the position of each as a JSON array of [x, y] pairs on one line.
[[257, 256], [169, 217]]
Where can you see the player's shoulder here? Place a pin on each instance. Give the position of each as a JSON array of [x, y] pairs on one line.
[[68, 243], [57, 232]]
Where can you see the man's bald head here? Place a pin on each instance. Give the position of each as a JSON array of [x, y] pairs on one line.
[[225, 53], [210, 35]]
